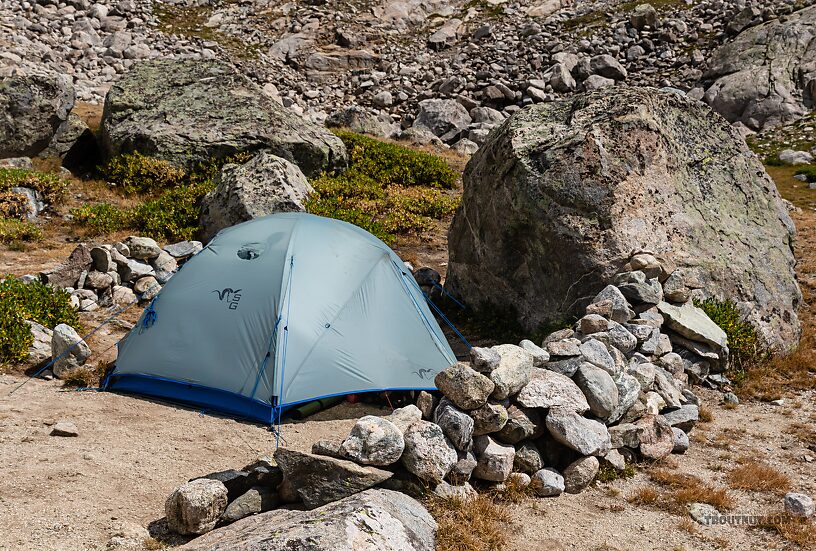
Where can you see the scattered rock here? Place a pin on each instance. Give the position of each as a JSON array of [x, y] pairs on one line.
[[319, 480], [195, 506]]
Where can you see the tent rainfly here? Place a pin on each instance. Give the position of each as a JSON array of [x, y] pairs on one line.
[[279, 311]]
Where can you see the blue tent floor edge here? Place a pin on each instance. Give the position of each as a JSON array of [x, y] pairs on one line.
[[227, 402]]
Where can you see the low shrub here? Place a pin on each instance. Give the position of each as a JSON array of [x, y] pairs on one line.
[[13, 230], [173, 215], [744, 346], [137, 173], [51, 187], [388, 189], [101, 218], [392, 164], [33, 301], [808, 172]]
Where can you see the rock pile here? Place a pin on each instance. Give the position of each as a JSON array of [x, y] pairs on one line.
[[105, 275], [610, 390]]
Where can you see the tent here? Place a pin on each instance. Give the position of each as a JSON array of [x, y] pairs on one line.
[[279, 311]]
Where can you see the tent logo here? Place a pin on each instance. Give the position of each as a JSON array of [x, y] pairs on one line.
[[424, 373], [232, 297]]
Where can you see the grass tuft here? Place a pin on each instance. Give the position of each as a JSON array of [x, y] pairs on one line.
[[680, 489], [799, 531], [477, 524], [756, 476]]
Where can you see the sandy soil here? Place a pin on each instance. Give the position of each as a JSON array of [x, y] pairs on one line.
[[69, 493]]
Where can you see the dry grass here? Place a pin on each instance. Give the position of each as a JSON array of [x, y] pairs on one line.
[[645, 495], [705, 414], [513, 492], [682, 489], [756, 476], [795, 530], [87, 376], [153, 544], [478, 524], [805, 433], [687, 525]]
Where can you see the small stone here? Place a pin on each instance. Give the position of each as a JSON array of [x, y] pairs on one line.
[[580, 474], [596, 353], [64, 428], [195, 506], [461, 492], [593, 323], [583, 435], [455, 423], [547, 483], [566, 347], [704, 514], [142, 248], [488, 419], [680, 441], [799, 505], [540, 356], [406, 416], [255, 500], [528, 459], [599, 388], [513, 373], [373, 441], [484, 360], [466, 388], [494, 460], [548, 389], [426, 402], [428, 452]]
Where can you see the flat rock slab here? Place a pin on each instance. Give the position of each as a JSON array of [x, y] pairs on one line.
[[692, 323], [376, 519], [319, 479]]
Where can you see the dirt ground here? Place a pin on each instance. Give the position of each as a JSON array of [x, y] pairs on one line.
[[70, 493]]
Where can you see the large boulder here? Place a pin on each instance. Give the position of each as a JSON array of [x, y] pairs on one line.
[[562, 193], [766, 75], [264, 185], [32, 108], [319, 480], [190, 111], [374, 519]]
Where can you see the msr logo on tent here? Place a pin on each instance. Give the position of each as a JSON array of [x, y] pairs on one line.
[[231, 296]]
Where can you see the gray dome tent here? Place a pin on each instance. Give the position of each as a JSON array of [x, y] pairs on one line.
[[279, 311]]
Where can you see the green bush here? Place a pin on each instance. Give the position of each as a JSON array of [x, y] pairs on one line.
[[171, 216], [137, 173], [809, 172], [15, 205], [12, 230], [29, 301], [744, 345], [392, 164], [388, 189], [101, 218]]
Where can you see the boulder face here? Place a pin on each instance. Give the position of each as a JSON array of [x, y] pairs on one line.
[[374, 519], [562, 193], [264, 185], [767, 75], [32, 108], [190, 111]]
